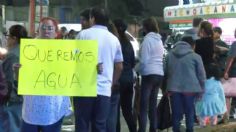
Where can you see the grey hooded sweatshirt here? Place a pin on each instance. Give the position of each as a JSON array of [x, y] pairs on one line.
[[151, 55], [185, 70]]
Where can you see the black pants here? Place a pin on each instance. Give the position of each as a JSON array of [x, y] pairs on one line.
[[148, 101], [126, 99]]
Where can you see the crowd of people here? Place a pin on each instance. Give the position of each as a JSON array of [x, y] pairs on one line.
[[192, 70]]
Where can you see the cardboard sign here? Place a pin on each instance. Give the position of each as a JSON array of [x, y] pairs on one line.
[[58, 67]]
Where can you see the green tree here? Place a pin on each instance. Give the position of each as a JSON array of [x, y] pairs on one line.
[[136, 8], [117, 9]]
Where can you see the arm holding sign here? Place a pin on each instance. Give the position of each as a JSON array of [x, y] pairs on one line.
[[43, 110]]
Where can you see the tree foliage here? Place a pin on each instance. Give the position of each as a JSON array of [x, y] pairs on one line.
[[135, 7], [125, 8]]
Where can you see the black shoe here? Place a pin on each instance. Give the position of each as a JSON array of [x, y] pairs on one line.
[[223, 121]]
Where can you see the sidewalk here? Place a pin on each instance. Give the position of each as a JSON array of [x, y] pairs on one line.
[[230, 127]]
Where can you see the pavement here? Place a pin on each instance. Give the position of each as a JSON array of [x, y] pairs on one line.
[[230, 127], [68, 125]]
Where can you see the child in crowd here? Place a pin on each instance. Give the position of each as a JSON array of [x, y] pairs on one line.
[[212, 103]]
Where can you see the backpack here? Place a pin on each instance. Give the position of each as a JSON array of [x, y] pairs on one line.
[[164, 113]]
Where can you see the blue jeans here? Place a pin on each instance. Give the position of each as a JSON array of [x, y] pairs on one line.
[[10, 117], [148, 101], [186, 1], [56, 127], [182, 104], [113, 113], [92, 110]]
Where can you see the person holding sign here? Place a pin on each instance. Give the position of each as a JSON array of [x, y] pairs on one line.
[[10, 110], [110, 58], [45, 113]]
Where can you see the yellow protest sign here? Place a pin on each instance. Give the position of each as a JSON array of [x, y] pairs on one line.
[[58, 67]]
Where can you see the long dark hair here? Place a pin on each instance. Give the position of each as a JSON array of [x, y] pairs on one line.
[[207, 28], [121, 27], [112, 28], [18, 31], [213, 70], [151, 25]]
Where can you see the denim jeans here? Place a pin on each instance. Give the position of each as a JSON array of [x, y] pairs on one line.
[[56, 127], [148, 102], [10, 117], [92, 110], [182, 104], [113, 113], [186, 1]]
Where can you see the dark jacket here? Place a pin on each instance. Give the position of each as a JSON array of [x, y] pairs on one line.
[[221, 56], [12, 57], [128, 63], [205, 48], [185, 70], [3, 87]]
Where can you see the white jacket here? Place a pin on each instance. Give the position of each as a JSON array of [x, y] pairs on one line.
[[151, 55]]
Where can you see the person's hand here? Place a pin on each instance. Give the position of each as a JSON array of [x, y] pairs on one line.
[[115, 86], [2, 56], [226, 76], [3, 53], [199, 96], [99, 68]]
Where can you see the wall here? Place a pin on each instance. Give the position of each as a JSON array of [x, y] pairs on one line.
[[17, 13]]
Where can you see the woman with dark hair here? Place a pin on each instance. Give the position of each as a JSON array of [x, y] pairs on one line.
[[126, 80], [10, 111], [205, 45], [151, 69], [112, 122]]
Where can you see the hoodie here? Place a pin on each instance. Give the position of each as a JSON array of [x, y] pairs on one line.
[[185, 70], [151, 55]]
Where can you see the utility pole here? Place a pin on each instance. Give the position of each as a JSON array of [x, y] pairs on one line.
[[106, 4], [3, 16], [41, 10], [32, 18]]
